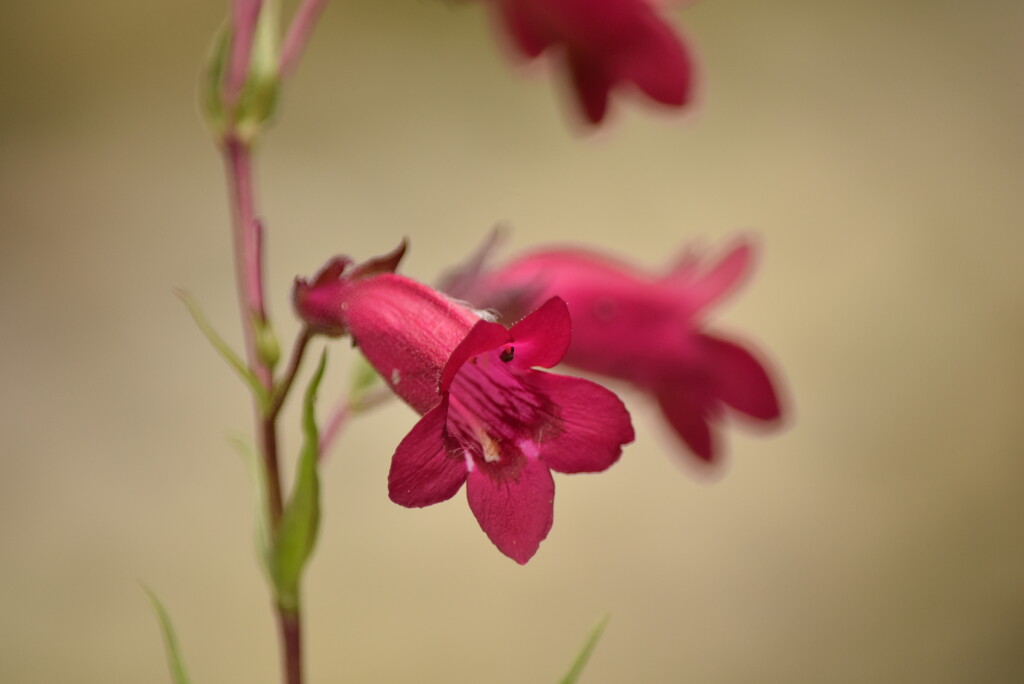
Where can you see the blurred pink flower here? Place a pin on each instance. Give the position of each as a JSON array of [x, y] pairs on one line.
[[648, 330], [489, 420], [605, 44]]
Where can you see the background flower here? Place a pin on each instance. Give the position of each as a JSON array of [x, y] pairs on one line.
[[603, 45], [648, 329]]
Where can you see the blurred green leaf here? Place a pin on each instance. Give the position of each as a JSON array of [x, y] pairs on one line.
[[211, 98], [584, 654], [258, 478], [364, 379], [296, 534], [174, 661], [226, 352]]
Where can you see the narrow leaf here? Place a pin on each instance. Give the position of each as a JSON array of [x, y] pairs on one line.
[[584, 655], [258, 478], [226, 352], [174, 661], [296, 534]]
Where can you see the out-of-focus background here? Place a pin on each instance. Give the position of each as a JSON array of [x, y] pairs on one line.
[[877, 150]]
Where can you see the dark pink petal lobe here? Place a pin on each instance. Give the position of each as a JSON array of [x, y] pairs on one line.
[[590, 427], [542, 338], [514, 505], [524, 30], [657, 63], [422, 472], [331, 271], [386, 263], [592, 84], [483, 337], [740, 380], [724, 277], [689, 420]]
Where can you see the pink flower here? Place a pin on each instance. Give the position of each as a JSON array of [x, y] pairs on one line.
[[605, 44], [489, 420], [648, 330]]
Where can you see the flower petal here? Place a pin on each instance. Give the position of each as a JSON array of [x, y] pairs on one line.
[[689, 420], [483, 337], [740, 379], [657, 62], [526, 33], [386, 263], [542, 338], [422, 472], [406, 330], [704, 286], [592, 84], [592, 424], [724, 277], [514, 505]]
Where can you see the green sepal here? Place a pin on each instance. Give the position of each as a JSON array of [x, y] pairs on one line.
[[225, 351], [584, 655], [174, 660], [296, 533], [258, 99], [211, 100], [258, 478]]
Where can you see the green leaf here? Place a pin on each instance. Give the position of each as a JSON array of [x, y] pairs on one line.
[[584, 655], [258, 477], [296, 533], [226, 352], [174, 661]]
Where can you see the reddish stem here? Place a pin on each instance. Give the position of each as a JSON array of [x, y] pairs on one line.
[[290, 623], [248, 253], [284, 387], [249, 273]]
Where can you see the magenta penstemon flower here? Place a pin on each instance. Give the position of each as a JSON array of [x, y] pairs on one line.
[[489, 420], [648, 330], [605, 44]]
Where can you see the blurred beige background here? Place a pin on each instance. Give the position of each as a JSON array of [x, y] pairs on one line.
[[876, 147]]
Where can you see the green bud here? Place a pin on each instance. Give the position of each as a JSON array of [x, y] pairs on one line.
[[257, 101], [259, 96], [267, 347]]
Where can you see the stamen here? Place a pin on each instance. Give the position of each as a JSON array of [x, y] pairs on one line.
[[490, 446], [492, 450]]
